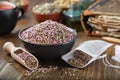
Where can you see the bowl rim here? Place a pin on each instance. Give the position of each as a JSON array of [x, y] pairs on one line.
[[47, 14], [74, 38]]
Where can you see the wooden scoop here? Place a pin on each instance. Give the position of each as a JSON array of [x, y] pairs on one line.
[[21, 55]]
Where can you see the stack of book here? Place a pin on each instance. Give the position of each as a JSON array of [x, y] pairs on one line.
[[102, 18]]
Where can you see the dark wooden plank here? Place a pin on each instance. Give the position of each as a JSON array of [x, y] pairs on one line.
[[9, 73], [2, 64]]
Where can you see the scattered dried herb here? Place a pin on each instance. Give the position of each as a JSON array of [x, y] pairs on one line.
[[51, 72], [29, 60], [71, 74], [40, 73], [79, 59]]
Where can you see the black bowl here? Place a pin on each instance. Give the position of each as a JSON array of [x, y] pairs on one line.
[[46, 51]]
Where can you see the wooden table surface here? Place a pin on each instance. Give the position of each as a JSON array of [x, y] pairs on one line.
[[12, 70]]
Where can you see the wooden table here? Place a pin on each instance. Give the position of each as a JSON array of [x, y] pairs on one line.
[[12, 70]]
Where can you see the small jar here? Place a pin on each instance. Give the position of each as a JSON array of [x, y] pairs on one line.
[[71, 17]]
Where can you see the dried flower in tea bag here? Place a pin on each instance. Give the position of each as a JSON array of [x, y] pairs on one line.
[[79, 58]]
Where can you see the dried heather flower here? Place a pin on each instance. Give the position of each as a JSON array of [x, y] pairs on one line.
[[40, 72], [48, 32], [28, 59], [79, 58]]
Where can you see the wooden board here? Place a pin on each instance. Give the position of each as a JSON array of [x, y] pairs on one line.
[[12, 70]]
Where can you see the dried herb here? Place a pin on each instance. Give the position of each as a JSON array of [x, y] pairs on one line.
[[40, 73], [48, 32], [47, 8], [29, 60], [70, 73], [79, 59]]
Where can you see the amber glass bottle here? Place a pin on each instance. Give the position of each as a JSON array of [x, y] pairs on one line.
[[71, 17]]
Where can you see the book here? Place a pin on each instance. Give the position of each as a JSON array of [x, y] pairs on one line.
[[102, 18]]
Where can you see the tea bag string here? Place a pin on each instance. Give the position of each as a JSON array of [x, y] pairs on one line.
[[102, 56], [107, 63]]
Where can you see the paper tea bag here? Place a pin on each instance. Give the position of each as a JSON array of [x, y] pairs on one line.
[[116, 57], [86, 53]]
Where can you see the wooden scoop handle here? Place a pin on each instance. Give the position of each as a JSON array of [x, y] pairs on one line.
[[9, 47]]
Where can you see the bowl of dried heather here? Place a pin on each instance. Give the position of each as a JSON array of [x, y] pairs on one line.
[[47, 11], [48, 39]]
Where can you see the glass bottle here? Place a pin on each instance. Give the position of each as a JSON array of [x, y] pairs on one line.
[[71, 17]]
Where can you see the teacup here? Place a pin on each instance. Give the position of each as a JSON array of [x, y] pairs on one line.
[[9, 15]]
